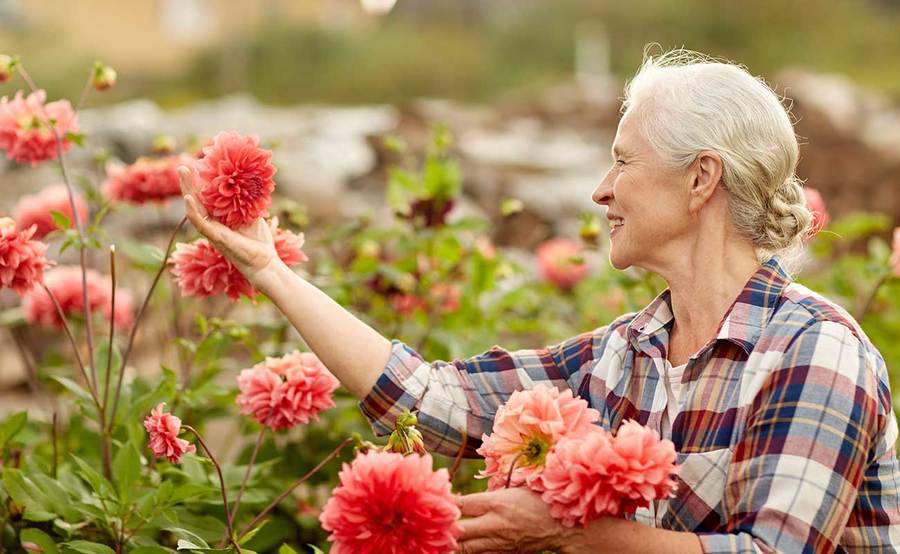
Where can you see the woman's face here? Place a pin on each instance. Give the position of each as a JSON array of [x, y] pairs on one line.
[[647, 202]]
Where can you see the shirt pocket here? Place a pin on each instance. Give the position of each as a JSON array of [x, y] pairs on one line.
[[697, 504]]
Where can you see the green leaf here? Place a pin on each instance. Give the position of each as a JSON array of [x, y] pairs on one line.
[[77, 138], [127, 470], [23, 491], [11, 427], [80, 392], [315, 549], [249, 536], [57, 497], [142, 255], [286, 549], [150, 550], [38, 537], [86, 547], [97, 482], [188, 545], [60, 219]]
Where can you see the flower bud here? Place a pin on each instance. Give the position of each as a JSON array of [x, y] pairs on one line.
[[406, 419], [32, 547], [406, 440], [163, 144], [104, 77], [590, 229], [7, 67]]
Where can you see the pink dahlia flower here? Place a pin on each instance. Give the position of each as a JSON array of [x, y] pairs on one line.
[[895, 255], [163, 429], [391, 503], [236, 176], [201, 270], [446, 296], [25, 133], [65, 284], [34, 209], [527, 428], [559, 262], [22, 261], [283, 392], [597, 474], [146, 180], [816, 204]]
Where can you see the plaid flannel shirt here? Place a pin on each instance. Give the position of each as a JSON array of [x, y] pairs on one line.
[[785, 433]]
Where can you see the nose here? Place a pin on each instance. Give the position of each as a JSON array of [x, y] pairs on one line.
[[603, 194]]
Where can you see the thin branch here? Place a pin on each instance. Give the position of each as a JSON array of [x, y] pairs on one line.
[[237, 500], [137, 320], [68, 330], [459, 456], [293, 486], [871, 298], [215, 463]]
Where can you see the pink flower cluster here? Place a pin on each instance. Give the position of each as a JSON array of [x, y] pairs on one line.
[[236, 177], [201, 270], [283, 392], [35, 209], [65, 284], [163, 429], [388, 502], [552, 444], [25, 132], [22, 261], [146, 180], [559, 262]]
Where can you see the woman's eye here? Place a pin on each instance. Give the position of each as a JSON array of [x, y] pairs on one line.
[[620, 162]]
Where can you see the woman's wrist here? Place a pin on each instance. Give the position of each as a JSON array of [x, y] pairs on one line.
[[271, 278]]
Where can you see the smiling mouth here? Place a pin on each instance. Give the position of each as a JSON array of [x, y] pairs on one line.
[[615, 224]]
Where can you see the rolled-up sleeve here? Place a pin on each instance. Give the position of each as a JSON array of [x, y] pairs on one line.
[[459, 398], [795, 474]]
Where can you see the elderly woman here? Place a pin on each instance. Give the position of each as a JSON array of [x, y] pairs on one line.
[[777, 402]]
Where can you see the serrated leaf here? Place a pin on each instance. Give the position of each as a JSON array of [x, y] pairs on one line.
[[38, 537], [11, 427]]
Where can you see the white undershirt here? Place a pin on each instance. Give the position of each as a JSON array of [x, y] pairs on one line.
[[672, 380]]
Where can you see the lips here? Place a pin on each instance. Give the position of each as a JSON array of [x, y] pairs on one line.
[[615, 223]]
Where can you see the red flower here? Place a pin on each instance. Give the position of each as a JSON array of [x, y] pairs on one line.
[[201, 270], [595, 475], [22, 261], [388, 502], [236, 176], [163, 429], [559, 262], [895, 255], [34, 209], [146, 180], [65, 284], [24, 128], [283, 392], [816, 204]]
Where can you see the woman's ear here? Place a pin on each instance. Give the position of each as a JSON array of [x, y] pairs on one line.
[[706, 176]]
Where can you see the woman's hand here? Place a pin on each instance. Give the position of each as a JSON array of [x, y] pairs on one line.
[[509, 520], [251, 249]]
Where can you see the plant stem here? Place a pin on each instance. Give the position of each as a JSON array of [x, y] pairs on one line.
[[871, 298], [293, 486], [512, 467], [215, 463], [459, 456], [78, 226], [137, 320], [105, 435], [68, 330], [237, 500], [55, 463]]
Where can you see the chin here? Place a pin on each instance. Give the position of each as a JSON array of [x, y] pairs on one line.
[[618, 261]]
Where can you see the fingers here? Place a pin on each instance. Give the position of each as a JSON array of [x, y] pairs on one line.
[[188, 185], [479, 527], [476, 504], [479, 546]]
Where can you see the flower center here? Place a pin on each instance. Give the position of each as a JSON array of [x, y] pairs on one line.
[[535, 452]]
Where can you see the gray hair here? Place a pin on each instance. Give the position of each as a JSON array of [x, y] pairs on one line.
[[690, 103]]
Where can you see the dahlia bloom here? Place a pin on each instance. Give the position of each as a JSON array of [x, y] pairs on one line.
[[24, 130], [895, 255], [527, 428], [391, 503], [34, 209], [22, 261], [283, 392], [559, 262], [163, 428], [816, 204], [201, 270], [146, 180], [236, 179], [65, 284], [446, 296], [598, 474]]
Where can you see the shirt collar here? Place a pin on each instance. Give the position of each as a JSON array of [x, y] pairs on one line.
[[742, 323]]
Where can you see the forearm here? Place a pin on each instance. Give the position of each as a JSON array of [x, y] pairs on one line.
[[354, 352], [621, 536]]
